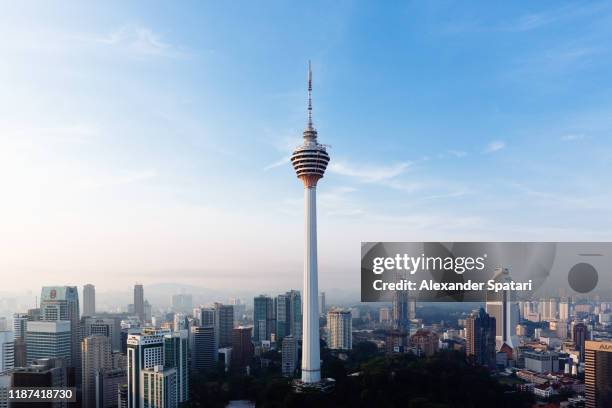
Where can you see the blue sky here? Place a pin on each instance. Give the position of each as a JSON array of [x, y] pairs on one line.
[[149, 141]]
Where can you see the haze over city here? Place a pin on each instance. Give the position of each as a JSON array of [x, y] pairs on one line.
[[149, 143]]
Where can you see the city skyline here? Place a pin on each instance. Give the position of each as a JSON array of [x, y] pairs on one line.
[[139, 177]]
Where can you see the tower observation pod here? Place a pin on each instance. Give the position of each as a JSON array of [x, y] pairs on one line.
[[310, 161]]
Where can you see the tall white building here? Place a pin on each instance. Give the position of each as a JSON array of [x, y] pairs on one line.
[[7, 350], [159, 387], [564, 310], [340, 326], [310, 161], [504, 308], [143, 351]]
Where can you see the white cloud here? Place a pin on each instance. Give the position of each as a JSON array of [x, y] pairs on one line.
[[139, 40], [495, 146], [278, 163], [368, 173], [572, 137]]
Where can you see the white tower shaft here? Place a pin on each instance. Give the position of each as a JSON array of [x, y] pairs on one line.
[[311, 361]]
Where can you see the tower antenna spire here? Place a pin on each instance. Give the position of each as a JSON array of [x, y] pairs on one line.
[[309, 96]]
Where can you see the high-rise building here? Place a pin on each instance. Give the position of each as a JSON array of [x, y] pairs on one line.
[[542, 361], [108, 384], [224, 323], [401, 318], [598, 374], [383, 315], [7, 350], [480, 338], [412, 308], [49, 339], [148, 311], [504, 308], [289, 354], [580, 335], [564, 310], [89, 300], [203, 347], [263, 318], [310, 161], [176, 355], [19, 325], [322, 305], [95, 357], [108, 327], [5, 386], [62, 303], [182, 303], [207, 316], [123, 396], [139, 306], [46, 372], [159, 387], [143, 351], [340, 326], [242, 347], [288, 315]]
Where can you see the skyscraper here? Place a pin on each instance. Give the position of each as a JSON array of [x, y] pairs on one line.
[[159, 387], [242, 347], [310, 161], [598, 374], [7, 350], [89, 300], [203, 347], [263, 318], [289, 353], [504, 308], [401, 320], [139, 306], [288, 313], [340, 325], [144, 351], [322, 306], [176, 354], [580, 335], [564, 310], [96, 357], [480, 338], [46, 372], [108, 386], [224, 323], [49, 340], [62, 303]]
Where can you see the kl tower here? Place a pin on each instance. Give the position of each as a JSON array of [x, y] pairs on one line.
[[310, 161]]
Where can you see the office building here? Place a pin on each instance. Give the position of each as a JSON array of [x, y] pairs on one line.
[[19, 325], [480, 338], [139, 305], [143, 351], [288, 313], [263, 318], [203, 347], [159, 387], [49, 340], [61, 303], [123, 396], [310, 161], [289, 354], [176, 355], [564, 310], [47, 372], [106, 326], [95, 357], [580, 335], [224, 323], [7, 350], [541, 361], [598, 374], [322, 305], [504, 308], [5, 385], [108, 385], [401, 318], [340, 326], [242, 347], [384, 315], [89, 300]]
